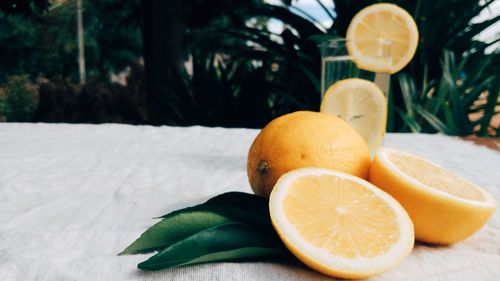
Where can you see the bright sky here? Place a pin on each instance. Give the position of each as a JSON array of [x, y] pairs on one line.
[[494, 31], [311, 7]]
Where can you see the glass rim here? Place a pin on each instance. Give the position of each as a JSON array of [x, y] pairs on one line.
[[336, 42]]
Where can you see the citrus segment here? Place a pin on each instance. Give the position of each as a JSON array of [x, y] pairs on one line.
[[361, 104], [305, 139], [339, 224], [382, 38], [444, 207]]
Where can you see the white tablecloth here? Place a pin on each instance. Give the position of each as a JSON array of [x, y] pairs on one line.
[[73, 196]]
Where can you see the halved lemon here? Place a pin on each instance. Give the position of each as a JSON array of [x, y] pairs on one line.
[[339, 224], [444, 207], [382, 38], [361, 104]]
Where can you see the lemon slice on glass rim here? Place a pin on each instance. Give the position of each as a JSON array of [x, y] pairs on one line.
[[382, 38]]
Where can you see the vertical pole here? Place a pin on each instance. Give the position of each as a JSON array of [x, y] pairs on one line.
[[81, 47]]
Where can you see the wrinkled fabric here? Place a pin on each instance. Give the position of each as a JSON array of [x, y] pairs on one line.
[[73, 196]]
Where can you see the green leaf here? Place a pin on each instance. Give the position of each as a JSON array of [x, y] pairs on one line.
[[409, 121], [450, 121], [425, 82], [446, 82], [408, 90], [176, 226], [432, 120], [240, 200], [224, 208], [457, 109], [240, 206], [480, 72], [232, 241]]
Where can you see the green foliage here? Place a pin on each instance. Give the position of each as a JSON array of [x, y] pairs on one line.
[[24, 7], [444, 103], [93, 102], [243, 74], [42, 42], [453, 70], [18, 100], [113, 34], [112, 38], [18, 37]]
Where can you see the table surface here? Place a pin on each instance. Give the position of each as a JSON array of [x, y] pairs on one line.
[[73, 196]]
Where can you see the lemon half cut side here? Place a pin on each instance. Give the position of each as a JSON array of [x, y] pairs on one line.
[[339, 224], [444, 207]]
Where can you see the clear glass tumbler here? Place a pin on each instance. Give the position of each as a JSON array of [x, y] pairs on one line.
[[337, 64]]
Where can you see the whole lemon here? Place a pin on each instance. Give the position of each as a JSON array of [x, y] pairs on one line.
[[305, 139]]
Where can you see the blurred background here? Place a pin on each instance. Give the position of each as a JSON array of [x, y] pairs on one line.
[[234, 63]]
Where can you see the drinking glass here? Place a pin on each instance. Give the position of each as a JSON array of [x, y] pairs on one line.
[[337, 64]]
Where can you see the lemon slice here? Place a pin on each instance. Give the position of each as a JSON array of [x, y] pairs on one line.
[[382, 38], [444, 207], [339, 224], [361, 104]]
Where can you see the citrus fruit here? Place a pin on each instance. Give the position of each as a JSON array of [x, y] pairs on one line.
[[361, 104], [382, 38], [305, 139], [339, 224], [444, 207]]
